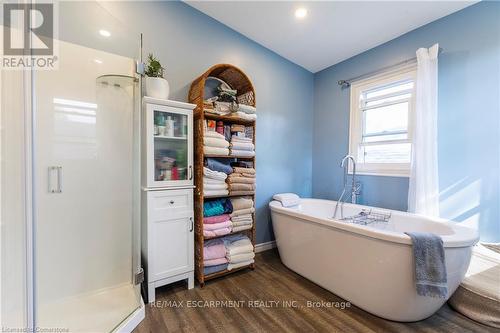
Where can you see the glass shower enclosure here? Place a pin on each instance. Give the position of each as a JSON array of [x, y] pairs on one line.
[[70, 177]]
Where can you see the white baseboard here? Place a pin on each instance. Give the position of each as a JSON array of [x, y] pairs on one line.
[[265, 246]]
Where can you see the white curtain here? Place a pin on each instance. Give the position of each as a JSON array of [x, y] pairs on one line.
[[423, 196]]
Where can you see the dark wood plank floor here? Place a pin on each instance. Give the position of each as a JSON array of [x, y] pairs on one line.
[[272, 281]]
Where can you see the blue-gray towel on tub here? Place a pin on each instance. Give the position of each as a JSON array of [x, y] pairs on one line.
[[430, 268]]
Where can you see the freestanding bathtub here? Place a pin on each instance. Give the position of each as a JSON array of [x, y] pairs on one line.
[[370, 266]]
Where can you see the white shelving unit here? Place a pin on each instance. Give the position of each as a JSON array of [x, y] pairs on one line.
[[167, 200]]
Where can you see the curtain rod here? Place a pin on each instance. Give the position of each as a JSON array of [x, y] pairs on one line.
[[347, 83]]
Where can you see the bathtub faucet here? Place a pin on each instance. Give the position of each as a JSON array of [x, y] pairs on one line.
[[354, 188]]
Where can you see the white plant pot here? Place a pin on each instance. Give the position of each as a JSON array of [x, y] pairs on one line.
[[157, 87]]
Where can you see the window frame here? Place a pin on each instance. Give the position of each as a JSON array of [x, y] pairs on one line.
[[356, 128]]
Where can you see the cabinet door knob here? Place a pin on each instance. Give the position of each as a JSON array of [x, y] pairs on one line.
[[172, 202]]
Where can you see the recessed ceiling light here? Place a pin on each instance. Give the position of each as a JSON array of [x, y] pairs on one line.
[[97, 61], [300, 13], [105, 33]]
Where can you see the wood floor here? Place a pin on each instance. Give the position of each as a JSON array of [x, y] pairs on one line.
[[272, 281]]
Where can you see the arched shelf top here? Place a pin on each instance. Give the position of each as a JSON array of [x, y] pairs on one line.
[[230, 74]]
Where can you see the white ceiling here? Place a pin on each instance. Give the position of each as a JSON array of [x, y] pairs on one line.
[[331, 31]]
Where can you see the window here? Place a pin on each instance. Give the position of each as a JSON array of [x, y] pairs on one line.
[[381, 123]]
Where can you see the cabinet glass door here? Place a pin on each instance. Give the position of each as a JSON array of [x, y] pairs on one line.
[[170, 146], [169, 151]]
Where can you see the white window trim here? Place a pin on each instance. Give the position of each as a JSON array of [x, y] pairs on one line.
[[355, 126]]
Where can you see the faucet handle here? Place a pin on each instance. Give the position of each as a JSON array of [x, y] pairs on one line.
[[357, 188]]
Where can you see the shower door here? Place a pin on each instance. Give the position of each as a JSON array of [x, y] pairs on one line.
[[86, 177]]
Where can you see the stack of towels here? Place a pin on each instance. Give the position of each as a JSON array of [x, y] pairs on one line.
[[242, 181], [214, 183], [227, 253], [216, 218], [241, 145], [214, 256], [239, 251], [215, 143], [241, 217], [246, 112]]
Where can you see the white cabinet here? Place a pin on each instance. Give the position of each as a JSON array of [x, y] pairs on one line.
[[168, 238], [167, 200]]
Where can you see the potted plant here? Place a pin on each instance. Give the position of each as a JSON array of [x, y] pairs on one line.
[[156, 85]]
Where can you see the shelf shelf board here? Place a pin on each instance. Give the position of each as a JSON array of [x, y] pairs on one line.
[[235, 120], [225, 272], [227, 195], [232, 233], [228, 156], [161, 137]]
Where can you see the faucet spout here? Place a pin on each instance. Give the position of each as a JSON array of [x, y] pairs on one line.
[[345, 165]]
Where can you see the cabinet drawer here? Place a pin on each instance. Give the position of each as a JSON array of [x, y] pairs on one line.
[[168, 204]]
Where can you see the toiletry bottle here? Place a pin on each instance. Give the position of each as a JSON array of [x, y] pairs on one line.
[[220, 127], [169, 126]]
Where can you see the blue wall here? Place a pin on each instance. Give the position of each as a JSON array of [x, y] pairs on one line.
[[469, 118], [187, 43]]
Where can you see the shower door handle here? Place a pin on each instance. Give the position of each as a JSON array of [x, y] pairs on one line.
[[58, 173]]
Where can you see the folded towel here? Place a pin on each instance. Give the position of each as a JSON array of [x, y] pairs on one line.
[[217, 207], [240, 138], [213, 134], [430, 267], [214, 174], [221, 166], [242, 227], [207, 180], [215, 262], [215, 151], [232, 239], [214, 249], [241, 187], [214, 269], [242, 212], [241, 153], [287, 199], [215, 193], [243, 115], [215, 226], [241, 203], [216, 232], [246, 108], [237, 226], [234, 178], [240, 257], [242, 146], [239, 248], [248, 175], [244, 170], [223, 107], [215, 142], [242, 192], [240, 264], [241, 223], [214, 187], [244, 217], [216, 219]]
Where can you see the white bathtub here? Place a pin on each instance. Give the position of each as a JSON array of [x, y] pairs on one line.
[[370, 266]]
